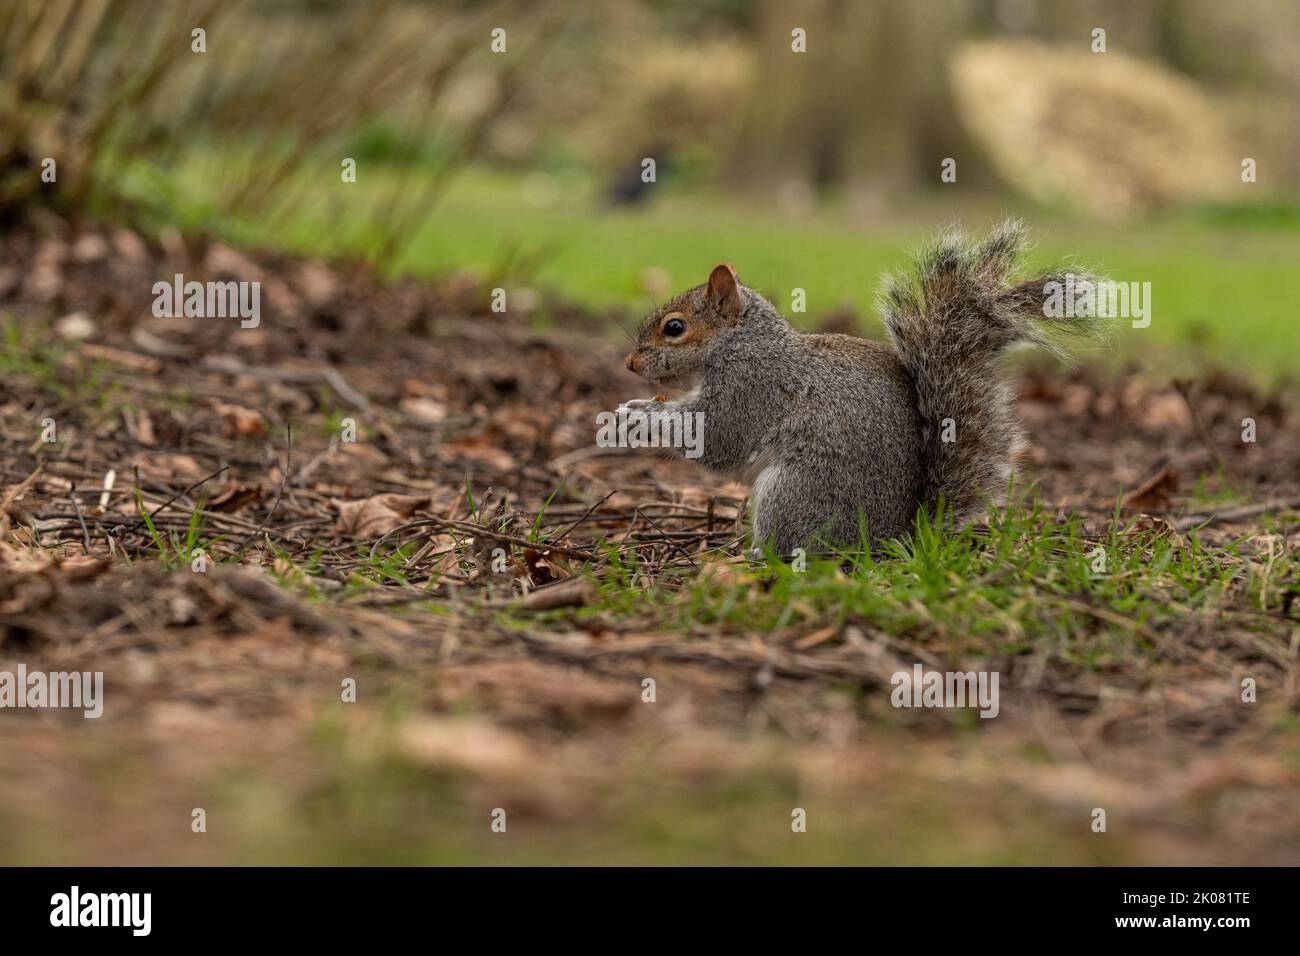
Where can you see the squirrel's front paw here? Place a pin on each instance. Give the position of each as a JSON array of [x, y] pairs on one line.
[[640, 405]]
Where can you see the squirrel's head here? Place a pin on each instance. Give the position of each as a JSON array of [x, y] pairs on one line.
[[673, 341]]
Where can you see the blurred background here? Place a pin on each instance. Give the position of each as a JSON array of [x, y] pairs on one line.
[[516, 157]]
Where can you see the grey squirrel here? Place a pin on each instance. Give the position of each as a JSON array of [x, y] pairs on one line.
[[843, 438]]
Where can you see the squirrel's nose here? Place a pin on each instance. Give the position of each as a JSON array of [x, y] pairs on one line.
[[630, 361]]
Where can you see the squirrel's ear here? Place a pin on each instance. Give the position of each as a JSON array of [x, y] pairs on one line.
[[724, 288]]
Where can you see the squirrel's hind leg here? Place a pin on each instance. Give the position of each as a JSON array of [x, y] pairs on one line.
[[792, 509]]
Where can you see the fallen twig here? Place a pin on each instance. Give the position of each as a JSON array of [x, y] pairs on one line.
[[1234, 514], [327, 374]]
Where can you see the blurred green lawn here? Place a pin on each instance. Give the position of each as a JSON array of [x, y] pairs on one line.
[[1224, 288]]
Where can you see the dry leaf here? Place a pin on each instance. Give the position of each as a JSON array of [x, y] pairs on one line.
[[522, 424], [424, 411], [575, 592], [143, 430], [441, 544], [480, 452], [235, 497], [363, 451], [107, 353], [170, 466], [543, 569], [819, 636], [726, 571], [82, 569], [241, 421], [1154, 494], [373, 517]]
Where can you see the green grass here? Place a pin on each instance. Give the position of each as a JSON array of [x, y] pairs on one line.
[[1223, 286], [1029, 578], [177, 551], [1019, 584], [33, 354]]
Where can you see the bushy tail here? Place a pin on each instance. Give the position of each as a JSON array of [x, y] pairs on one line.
[[951, 320]]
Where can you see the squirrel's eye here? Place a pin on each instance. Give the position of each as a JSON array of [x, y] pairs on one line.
[[674, 328]]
